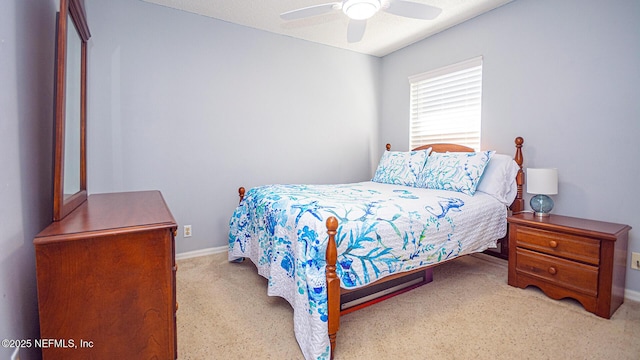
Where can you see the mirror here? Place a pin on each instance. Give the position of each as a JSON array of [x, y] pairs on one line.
[[70, 170]]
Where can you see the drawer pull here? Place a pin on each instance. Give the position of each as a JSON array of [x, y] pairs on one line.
[[552, 270], [553, 244]]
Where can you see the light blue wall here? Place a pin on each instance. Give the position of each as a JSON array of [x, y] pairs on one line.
[[196, 107], [27, 48], [565, 75]]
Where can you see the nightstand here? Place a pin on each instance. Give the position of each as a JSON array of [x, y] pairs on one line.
[[570, 257]]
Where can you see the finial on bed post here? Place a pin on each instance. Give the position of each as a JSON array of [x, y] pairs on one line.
[[241, 193], [388, 147], [518, 203], [333, 284]]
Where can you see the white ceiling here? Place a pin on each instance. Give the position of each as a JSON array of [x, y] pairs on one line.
[[385, 33]]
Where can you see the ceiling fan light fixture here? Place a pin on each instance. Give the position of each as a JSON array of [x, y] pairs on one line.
[[360, 9]]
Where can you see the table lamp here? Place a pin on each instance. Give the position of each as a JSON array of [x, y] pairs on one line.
[[542, 182]]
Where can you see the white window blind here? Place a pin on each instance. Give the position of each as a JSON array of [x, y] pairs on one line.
[[446, 105]]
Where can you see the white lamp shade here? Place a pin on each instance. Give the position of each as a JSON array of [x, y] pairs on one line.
[[542, 181]]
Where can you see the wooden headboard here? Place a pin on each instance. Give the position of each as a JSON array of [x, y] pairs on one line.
[[518, 203], [445, 147]]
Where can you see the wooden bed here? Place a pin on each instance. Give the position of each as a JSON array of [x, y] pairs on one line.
[[336, 294]]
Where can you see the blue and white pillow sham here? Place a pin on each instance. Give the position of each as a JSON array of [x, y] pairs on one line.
[[454, 171], [401, 167]]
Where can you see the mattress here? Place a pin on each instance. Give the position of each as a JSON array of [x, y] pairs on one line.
[[383, 229]]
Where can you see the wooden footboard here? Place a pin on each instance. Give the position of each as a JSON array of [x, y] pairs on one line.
[[333, 281]]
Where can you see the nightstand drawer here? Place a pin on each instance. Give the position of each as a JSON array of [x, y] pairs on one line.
[[558, 244], [567, 274]]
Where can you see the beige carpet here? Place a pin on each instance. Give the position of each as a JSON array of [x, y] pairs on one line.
[[467, 312]]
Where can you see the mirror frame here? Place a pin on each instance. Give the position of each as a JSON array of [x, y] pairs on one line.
[[62, 206]]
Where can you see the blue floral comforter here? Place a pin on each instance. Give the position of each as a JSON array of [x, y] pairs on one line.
[[382, 229]]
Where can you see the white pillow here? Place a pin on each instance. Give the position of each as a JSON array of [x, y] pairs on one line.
[[499, 179], [401, 167]]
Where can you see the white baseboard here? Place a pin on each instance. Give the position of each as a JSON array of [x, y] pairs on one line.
[[628, 294], [631, 295], [202, 252]]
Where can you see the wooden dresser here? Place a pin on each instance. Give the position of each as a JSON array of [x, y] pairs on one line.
[[106, 280], [569, 257]]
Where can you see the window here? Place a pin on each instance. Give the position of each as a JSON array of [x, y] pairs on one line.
[[446, 105]]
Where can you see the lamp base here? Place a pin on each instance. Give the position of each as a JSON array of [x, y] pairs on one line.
[[541, 205]]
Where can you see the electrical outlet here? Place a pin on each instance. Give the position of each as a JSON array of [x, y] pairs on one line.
[[187, 231], [635, 260]]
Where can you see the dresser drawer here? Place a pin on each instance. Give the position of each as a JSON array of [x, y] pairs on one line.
[[572, 247], [565, 273]]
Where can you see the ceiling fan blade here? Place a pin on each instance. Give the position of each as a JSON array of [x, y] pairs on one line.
[[309, 11], [413, 10], [355, 31]]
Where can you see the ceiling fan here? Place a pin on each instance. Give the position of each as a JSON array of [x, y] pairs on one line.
[[359, 11]]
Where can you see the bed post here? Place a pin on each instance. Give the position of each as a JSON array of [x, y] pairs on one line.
[[241, 193], [518, 203], [333, 284]]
